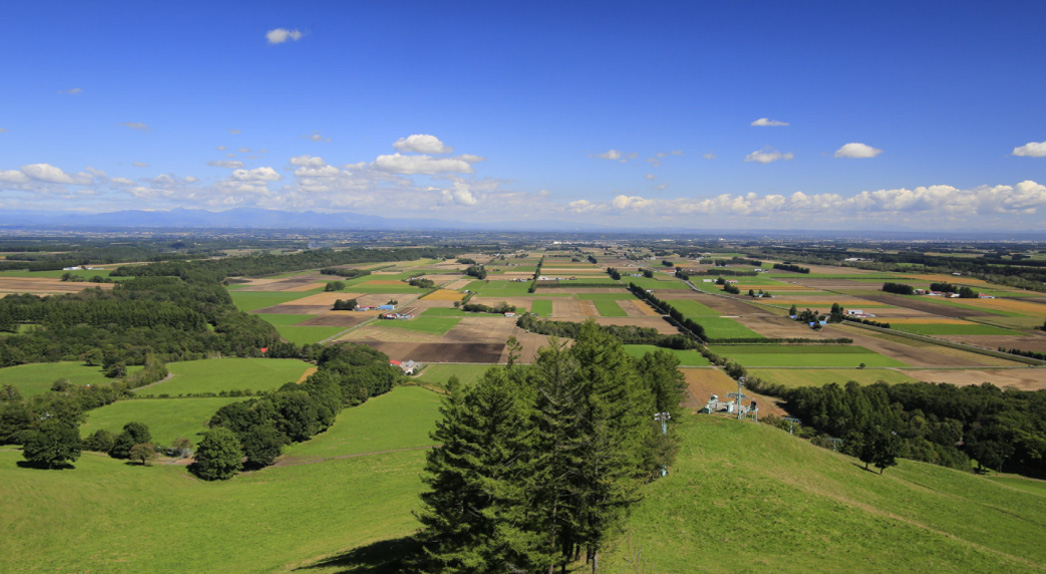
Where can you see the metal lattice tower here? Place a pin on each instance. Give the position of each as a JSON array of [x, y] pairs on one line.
[[792, 421], [738, 396], [835, 443]]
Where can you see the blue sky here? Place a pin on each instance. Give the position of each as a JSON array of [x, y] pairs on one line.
[[899, 115]]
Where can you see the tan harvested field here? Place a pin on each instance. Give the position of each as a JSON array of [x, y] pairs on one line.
[[582, 290], [522, 303], [378, 282], [774, 326], [1013, 305], [481, 330], [922, 304], [389, 332], [441, 279], [930, 320], [836, 283], [573, 308], [818, 302], [458, 284], [327, 299], [1027, 379], [338, 319], [531, 343], [1035, 343], [658, 323], [962, 280], [702, 383], [646, 309], [308, 373], [444, 295], [45, 285], [372, 299], [779, 287], [914, 352], [722, 305], [306, 287]]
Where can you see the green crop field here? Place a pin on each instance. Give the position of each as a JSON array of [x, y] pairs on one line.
[[251, 300], [423, 324], [488, 288], [609, 309], [692, 308], [542, 307], [308, 334], [37, 378], [216, 375], [724, 327], [284, 318], [779, 504], [945, 329], [439, 374], [687, 358], [658, 282], [167, 419], [804, 356], [399, 419], [819, 377]]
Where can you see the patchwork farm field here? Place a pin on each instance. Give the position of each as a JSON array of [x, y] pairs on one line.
[[805, 356], [797, 377]]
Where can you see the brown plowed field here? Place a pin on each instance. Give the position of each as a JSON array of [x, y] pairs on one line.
[[658, 323], [458, 284], [723, 305], [337, 319], [1024, 343], [531, 343], [518, 302], [920, 304], [835, 283], [45, 285], [388, 332], [631, 309], [441, 352], [775, 326], [481, 330], [1030, 379], [587, 290], [303, 283], [702, 383]]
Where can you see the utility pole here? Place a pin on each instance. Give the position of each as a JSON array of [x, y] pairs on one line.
[[739, 395], [792, 421], [663, 419]]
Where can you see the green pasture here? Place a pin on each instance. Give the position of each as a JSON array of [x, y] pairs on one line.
[[794, 378], [252, 300], [167, 419], [688, 358], [399, 419], [692, 308], [541, 307], [439, 374], [109, 516], [284, 318], [228, 374], [724, 328], [1021, 483], [662, 282], [37, 378], [304, 335], [422, 324], [946, 329], [609, 309], [745, 497], [804, 356], [954, 303], [1022, 322], [488, 288]]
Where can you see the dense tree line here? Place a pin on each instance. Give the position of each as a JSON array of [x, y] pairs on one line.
[[477, 271], [627, 334], [346, 273], [791, 267], [421, 282], [899, 288], [727, 272], [963, 292], [1030, 354], [500, 308], [614, 273], [347, 375], [680, 320], [537, 466]]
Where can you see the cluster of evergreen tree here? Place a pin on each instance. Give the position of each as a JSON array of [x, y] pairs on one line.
[[346, 273], [502, 307], [937, 423], [872, 322], [333, 286], [347, 375], [538, 465], [477, 271], [791, 267], [899, 288], [614, 273], [627, 334], [421, 282]]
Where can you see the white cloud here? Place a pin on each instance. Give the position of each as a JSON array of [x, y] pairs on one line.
[[136, 126], [857, 151], [650, 176], [611, 155], [767, 122], [71, 92], [256, 175], [421, 164], [768, 155], [307, 160], [625, 202], [281, 35], [243, 149], [140, 164], [12, 176], [1031, 149], [709, 156], [422, 143], [51, 174], [235, 132], [226, 163], [316, 137], [470, 158]]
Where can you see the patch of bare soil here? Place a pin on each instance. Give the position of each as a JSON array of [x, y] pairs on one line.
[[46, 285], [1035, 343], [658, 323], [530, 343], [921, 304], [440, 352], [568, 308], [521, 303], [372, 299], [481, 330], [702, 383], [308, 373], [375, 333], [918, 354], [1029, 379], [458, 284], [323, 298]]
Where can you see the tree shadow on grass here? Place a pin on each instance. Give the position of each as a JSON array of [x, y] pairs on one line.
[[42, 466], [382, 557]]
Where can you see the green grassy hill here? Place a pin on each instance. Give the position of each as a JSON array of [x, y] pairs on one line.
[[745, 497]]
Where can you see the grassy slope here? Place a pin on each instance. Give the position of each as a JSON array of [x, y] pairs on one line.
[[216, 375], [167, 419], [37, 378], [750, 498], [439, 374]]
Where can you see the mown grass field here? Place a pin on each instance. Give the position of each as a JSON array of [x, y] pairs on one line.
[[820, 377], [167, 419], [422, 324], [687, 358], [946, 329], [216, 375], [1021, 483], [399, 419], [724, 327], [542, 307], [693, 308], [251, 300], [303, 335], [779, 504], [805, 356], [277, 319], [659, 281], [439, 374], [36, 378], [487, 288], [609, 309]]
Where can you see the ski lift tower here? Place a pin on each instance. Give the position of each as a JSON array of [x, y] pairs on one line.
[[738, 396], [792, 421], [835, 443], [663, 419]]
